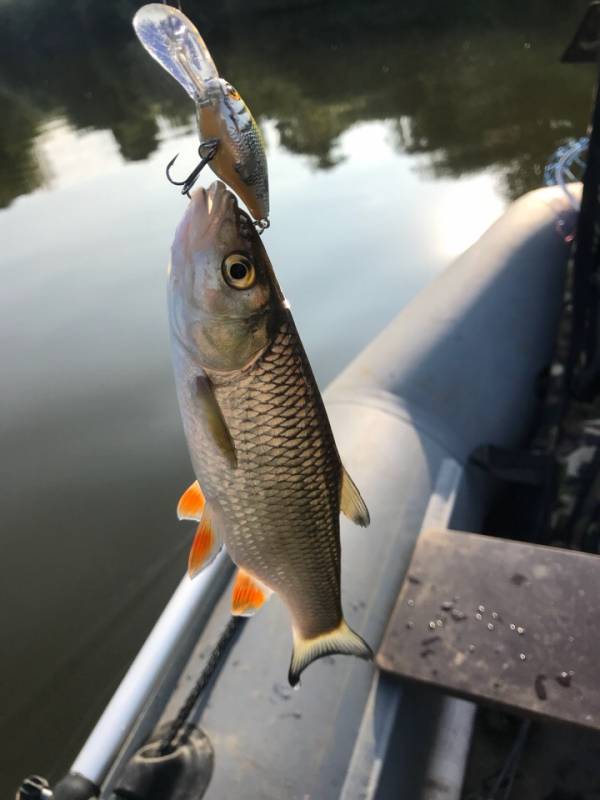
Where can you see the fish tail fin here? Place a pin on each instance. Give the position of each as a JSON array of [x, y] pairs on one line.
[[340, 640]]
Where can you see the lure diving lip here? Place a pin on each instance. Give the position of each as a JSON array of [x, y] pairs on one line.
[[222, 116]]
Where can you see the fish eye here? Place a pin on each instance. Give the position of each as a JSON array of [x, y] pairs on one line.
[[238, 271]]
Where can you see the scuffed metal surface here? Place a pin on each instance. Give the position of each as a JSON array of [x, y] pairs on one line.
[[506, 622]]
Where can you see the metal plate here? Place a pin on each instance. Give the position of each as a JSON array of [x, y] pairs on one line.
[[495, 620]]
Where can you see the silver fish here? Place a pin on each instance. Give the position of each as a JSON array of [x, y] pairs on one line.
[[260, 442], [240, 160]]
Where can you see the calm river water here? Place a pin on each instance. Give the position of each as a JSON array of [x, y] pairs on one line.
[[395, 137]]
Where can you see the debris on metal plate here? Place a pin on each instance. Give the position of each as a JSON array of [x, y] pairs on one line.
[[500, 621]]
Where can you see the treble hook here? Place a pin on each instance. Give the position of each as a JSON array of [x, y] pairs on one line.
[[207, 152]]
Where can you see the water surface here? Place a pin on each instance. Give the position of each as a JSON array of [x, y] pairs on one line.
[[395, 137]]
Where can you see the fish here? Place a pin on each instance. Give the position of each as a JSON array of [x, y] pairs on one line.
[[270, 484], [222, 115]]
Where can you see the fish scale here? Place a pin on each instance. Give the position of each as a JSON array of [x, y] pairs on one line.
[[287, 461]]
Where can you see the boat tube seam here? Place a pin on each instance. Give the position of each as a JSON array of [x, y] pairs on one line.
[[407, 412], [384, 705]]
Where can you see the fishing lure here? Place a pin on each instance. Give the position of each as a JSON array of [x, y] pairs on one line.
[[231, 142]]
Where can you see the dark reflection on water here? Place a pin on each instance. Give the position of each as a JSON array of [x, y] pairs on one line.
[[92, 457], [489, 92]]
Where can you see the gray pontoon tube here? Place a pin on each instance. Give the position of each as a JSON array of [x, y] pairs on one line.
[[456, 369]]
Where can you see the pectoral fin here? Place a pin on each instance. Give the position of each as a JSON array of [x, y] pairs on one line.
[[213, 418], [207, 543], [248, 595], [351, 503], [191, 503]]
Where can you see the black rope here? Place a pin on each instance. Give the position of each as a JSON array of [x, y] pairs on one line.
[[167, 743], [506, 777]]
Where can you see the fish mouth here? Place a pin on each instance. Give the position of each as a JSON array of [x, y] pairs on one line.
[[208, 208]]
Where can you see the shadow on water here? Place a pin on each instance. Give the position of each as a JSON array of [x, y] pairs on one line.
[[467, 92]]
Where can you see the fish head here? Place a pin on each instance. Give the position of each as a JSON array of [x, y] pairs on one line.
[[223, 298]]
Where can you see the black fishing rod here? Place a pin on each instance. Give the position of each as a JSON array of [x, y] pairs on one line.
[[583, 364]]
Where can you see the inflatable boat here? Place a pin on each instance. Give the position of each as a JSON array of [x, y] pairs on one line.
[[456, 369]]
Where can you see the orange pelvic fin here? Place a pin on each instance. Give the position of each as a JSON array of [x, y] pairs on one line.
[[248, 595], [351, 503], [191, 503], [205, 546]]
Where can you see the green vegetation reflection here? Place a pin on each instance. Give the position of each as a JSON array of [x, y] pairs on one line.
[[483, 91]]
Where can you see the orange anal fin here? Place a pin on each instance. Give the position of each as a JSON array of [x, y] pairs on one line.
[[191, 503], [205, 546], [249, 594]]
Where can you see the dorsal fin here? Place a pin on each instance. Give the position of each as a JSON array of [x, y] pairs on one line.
[[249, 594], [351, 503], [207, 543], [191, 503]]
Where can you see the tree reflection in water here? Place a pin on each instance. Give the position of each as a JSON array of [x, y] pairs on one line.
[[479, 91]]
